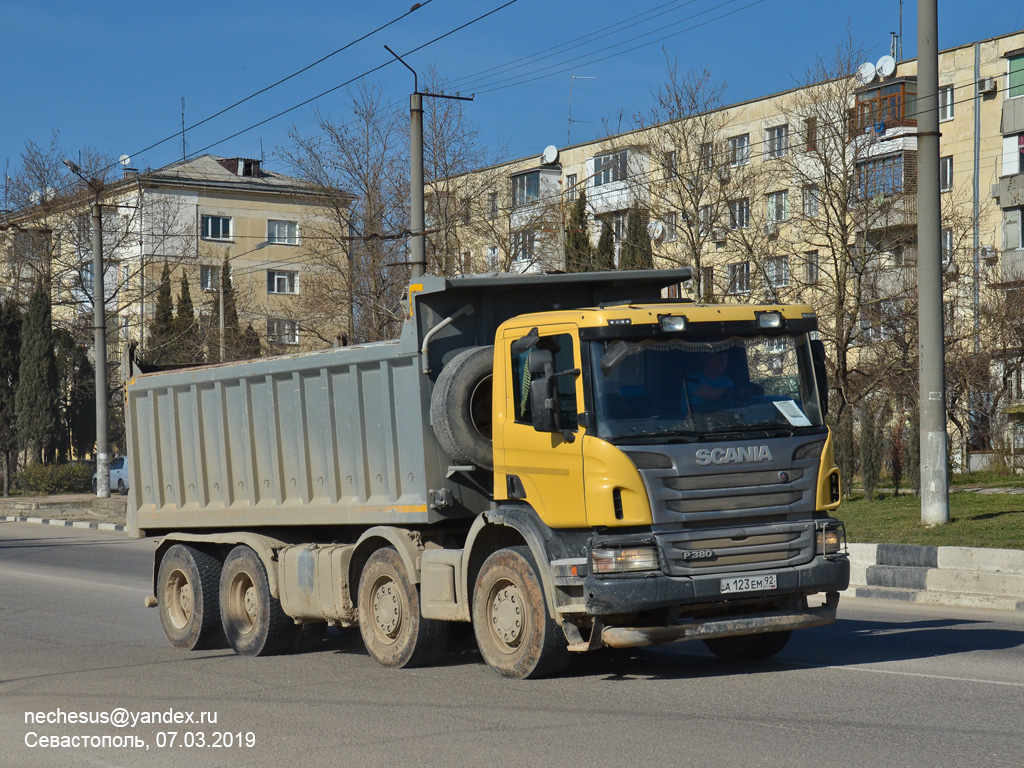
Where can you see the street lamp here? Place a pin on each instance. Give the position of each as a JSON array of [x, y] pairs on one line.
[[99, 323]]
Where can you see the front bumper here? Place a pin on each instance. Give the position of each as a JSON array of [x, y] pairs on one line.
[[627, 594], [632, 637]]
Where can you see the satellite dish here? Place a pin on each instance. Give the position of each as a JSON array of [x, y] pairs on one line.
[[124, 160], [865, 73], [885, 66], [656, 230], [550, 155]]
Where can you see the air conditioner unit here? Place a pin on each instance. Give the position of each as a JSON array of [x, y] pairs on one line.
[[987, 252], [988, 85], [771, 230], [718, 235]]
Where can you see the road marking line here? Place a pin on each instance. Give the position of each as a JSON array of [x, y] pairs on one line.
[[903, 674]]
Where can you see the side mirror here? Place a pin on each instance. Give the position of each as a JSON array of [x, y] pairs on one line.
[[543, 393], [613, 357], [525, 343], [820, 374]]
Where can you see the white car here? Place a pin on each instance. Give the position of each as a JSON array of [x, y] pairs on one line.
[[118, 476]]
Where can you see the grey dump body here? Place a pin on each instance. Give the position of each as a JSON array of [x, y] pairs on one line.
[[339, 436]]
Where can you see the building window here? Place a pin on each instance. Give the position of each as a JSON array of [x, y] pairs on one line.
[[811, 199], [811, 134], [707, 156], [467, 262], [281, 331], [945, 102], [778, 206], [669, 164], [523, 243], [282, 281], [492, 206], [706, 288], [945, 173], [670, 227], [705, 218], [525, 188], [880, 176], [1013, 229], [739, 277], [570, 186], [216, 227], [777, 271], [492, 256], [1016, 74], [282, 232], [811, 267], [739, 214], [739, 149], [209, 278], [946, 246], [610, 168], [777, 141]]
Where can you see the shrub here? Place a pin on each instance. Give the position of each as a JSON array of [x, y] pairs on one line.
[[57, 478]]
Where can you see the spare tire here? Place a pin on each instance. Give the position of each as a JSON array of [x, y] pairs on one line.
[[460, 407]]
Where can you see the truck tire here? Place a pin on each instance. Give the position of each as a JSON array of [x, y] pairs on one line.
[[253, 620], [394, 632], [460, 407], [186, 592], [749, 647], [514, 631]]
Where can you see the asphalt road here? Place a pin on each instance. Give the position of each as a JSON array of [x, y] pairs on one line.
[[885, 686]]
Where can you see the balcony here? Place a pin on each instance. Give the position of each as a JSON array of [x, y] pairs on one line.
[[1010, 191], [884, 107]]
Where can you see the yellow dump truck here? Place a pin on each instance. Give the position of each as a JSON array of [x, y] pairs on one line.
[[568, 462]]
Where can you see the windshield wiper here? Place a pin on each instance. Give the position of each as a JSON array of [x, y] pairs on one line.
[[673, 435], [772, 429]]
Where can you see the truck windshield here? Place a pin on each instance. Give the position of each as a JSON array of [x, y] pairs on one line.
[[696, 388]]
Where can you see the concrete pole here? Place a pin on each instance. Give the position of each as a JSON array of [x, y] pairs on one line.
[[934, 468], [99, 322], [417, 244]]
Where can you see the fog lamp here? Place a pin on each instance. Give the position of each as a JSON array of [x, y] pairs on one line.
[[608, 560], [830, 541]]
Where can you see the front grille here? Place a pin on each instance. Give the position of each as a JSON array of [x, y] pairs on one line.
[[738, 550]]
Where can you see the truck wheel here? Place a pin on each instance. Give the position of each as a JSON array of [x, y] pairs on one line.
[[516, 634], [394, 632], [748, 647], [460, 407], [253, 620], [187, 595]]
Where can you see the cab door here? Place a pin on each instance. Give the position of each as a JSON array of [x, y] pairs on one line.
[[545, 469]]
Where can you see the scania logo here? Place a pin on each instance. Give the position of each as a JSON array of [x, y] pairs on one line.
[[746, 454]]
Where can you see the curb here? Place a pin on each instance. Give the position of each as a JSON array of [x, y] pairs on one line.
[[960, 577], [64, 523]]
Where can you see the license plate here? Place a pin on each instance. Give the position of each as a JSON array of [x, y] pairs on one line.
[[749, 583]]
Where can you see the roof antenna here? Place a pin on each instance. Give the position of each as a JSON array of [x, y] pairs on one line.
[[183, 128]]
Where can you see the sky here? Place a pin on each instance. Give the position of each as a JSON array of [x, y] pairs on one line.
[[111, 76]]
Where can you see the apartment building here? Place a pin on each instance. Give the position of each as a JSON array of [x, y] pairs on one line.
[[195, 216], [810, 195]]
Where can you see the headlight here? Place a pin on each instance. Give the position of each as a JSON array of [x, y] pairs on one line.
[[607, 560], [830, 541]]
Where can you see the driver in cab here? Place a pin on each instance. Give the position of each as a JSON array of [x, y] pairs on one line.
[[711, 382]]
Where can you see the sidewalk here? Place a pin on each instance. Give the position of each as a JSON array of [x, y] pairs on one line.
[[79, 510]]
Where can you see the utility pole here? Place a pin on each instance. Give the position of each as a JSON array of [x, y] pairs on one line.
[[931, 334], [417, 217], [99, 324]]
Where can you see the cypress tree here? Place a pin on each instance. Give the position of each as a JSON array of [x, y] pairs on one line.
[[250, 344], [637, 252], [10, 361], [161, 331], [187, 346], [36, 398], [604, 256], [579, 253]]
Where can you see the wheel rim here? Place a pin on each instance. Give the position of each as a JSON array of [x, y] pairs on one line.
[[243, 603], [387, 610], [507, 618], [180, 599]]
